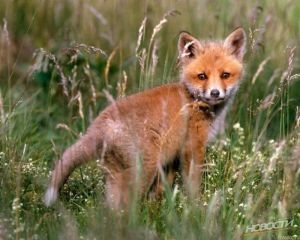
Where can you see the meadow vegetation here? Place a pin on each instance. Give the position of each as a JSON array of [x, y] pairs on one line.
[[61, 62]]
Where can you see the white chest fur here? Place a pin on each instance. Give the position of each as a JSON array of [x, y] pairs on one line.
[[218, 125]]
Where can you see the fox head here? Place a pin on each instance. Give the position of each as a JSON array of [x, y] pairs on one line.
[[211, 70]]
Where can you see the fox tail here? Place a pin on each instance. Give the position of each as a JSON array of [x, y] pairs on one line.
[[79, 153]]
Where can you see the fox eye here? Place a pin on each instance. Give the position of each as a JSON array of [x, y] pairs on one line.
[[225, 75], [202, 76]]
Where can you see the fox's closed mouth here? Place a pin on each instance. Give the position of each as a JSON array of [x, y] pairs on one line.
[[214, 100]]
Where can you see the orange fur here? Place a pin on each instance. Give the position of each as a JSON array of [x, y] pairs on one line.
[[139, 135]]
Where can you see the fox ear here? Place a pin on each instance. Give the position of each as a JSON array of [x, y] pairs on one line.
[[188, 47], [236, 43]]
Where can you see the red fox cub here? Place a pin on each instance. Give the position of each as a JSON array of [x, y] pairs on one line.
[[139, 135]]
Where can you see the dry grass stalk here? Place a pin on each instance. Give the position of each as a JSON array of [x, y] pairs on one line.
[[87, 72], [109, 97], [90, 49], [267, 102], [2, 114], [64, 79], [74, 52], [141, 34], [121, 86], [252, 39], [78, 98], [154, 57], [93, 90], [287, 79], [97, 14], [106, 70], [260, 69], [259, 40], [74, 75], [6, 48], [254, 14], [6, 37], [295, 76], [5, 32], [256, 33], [287, 76], [157, 29], [275, 75], [67, 128], [274, 158], [80, 105], [291, 59], [142, 59], [160, 25]]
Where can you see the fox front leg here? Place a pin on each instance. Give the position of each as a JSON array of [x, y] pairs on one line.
[[192, 163], [193, 152]]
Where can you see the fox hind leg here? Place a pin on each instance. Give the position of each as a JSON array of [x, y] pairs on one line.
[[165, 178], [123, 186]]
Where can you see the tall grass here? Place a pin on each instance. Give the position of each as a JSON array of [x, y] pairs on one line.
[[62, 61]]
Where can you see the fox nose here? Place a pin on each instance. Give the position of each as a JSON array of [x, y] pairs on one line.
[[215, 93]]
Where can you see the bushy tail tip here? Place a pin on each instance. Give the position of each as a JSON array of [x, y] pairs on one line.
[[50, 196]]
